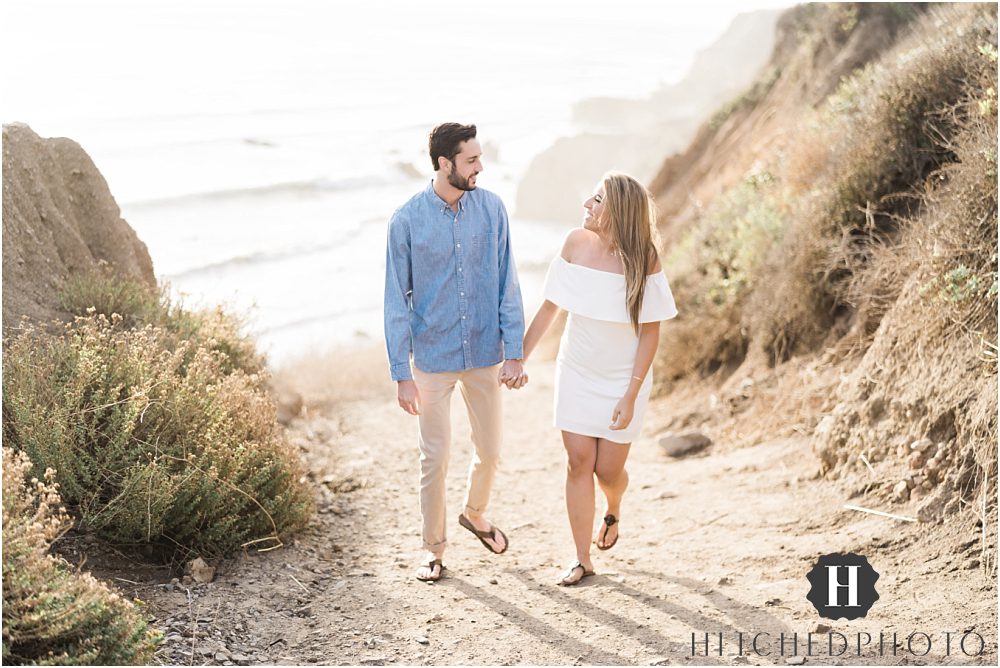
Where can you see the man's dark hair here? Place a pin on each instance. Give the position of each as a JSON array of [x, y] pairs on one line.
[[446, 139]]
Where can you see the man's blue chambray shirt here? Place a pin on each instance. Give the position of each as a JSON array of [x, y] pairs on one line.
[[451, 293]]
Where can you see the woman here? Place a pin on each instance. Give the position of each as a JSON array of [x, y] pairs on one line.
[[609, 279]]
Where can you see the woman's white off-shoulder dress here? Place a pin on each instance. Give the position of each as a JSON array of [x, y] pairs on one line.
[[598, 347]]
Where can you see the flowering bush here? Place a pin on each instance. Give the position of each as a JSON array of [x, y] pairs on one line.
[[53, 615]]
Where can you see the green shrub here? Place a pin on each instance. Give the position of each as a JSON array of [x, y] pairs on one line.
[[957, 285], [53, 615], [714, 269], [747, 223], [155, 439], [102, 293]]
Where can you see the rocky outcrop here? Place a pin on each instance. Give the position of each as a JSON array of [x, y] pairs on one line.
[[59, 219]]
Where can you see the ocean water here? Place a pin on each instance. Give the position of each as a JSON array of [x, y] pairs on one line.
[[259, 148]]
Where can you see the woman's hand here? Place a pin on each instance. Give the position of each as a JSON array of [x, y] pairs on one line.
[[621, 417], [512, 375]]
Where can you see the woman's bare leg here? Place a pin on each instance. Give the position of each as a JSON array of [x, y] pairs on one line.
[[581, 452], [613, 479]]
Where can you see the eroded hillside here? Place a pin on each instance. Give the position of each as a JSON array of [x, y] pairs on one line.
[[831, 237]]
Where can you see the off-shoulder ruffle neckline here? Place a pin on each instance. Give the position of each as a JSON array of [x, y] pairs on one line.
[[601, 271]]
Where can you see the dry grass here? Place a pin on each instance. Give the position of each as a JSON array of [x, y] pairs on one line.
[[889, 130], [327, 380], [788, 269]]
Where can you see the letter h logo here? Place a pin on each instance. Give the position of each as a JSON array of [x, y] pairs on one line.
[[843, 586], [835, 586]]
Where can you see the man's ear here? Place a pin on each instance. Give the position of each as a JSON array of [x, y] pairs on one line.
[[443, 163]]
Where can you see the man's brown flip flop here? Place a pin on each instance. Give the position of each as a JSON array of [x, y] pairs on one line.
[[430, 565], [483, 535]]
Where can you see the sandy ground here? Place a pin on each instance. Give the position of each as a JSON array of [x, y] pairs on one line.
[[719, 542]]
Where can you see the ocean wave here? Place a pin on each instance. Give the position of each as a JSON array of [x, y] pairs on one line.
[[326, 316], [254, 258], [301, 187]]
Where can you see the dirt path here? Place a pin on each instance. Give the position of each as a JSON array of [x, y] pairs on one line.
[[716, 543]]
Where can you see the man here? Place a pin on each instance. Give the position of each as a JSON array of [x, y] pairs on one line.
[[452, 301]]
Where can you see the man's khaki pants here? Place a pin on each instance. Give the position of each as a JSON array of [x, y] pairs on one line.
[[481, 392]]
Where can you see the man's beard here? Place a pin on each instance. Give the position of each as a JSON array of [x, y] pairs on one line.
[[458, 182]]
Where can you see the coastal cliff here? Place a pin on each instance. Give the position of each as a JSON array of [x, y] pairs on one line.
[[633, 135]]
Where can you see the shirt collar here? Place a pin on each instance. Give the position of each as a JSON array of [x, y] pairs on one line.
[[440, 203]]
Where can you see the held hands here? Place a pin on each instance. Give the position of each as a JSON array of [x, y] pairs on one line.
[[512, 375], [621, 417], [408, 396]]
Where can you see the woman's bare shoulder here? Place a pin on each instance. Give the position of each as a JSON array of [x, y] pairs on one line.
[[576, 240]]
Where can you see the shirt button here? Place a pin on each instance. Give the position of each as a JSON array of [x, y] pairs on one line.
[[465, 342], [458, 245], [463, 317], [460, 269], [462, 294]]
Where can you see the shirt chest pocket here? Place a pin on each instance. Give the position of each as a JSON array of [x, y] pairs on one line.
[[483, 247]]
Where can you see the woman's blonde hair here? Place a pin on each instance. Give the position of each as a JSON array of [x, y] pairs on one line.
[[630, 221]]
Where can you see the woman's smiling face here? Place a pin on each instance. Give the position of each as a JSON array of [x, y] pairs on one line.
[[594, 209]]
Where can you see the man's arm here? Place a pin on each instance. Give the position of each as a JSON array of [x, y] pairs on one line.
[[396, 307], [511, 307]]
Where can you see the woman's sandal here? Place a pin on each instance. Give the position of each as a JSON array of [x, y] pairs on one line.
[[430, 566], [609, 520], [565, 582], [483, 535]]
